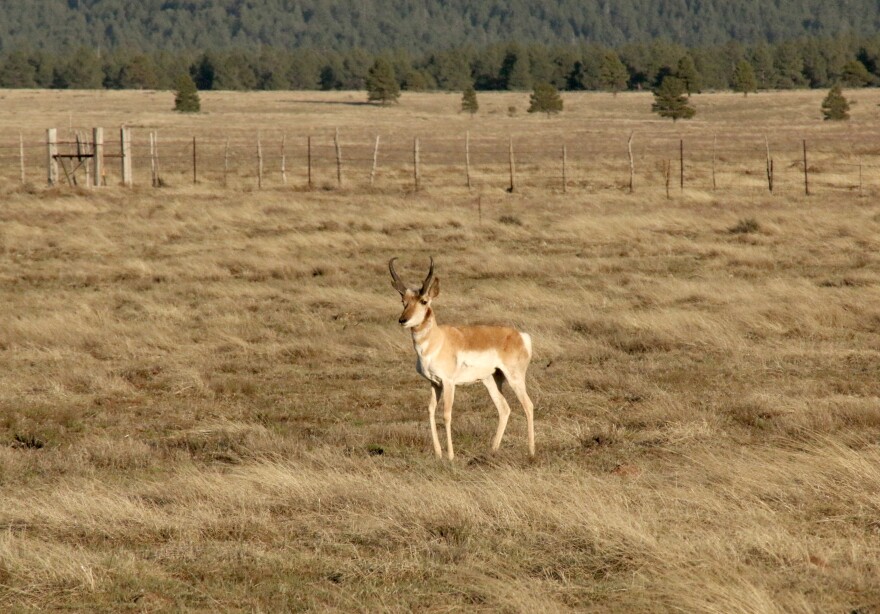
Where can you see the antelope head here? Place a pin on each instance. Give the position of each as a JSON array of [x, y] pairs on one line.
[[416, 301]]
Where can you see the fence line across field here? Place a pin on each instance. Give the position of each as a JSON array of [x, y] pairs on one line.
[[645, 160]]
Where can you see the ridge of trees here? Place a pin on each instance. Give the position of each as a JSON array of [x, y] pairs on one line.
[[418, 26], [805, 62]]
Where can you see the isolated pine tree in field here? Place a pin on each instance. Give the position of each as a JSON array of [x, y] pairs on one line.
[[545, 99], [469, 100], [186, 96], [835, 106], [612, 73], [670, 100], [687, 72], [382, 85], [744, 78]]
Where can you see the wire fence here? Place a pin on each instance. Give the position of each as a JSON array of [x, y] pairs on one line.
[[590, 162]]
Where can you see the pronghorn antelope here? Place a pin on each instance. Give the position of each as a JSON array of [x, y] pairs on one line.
[[453, 355]]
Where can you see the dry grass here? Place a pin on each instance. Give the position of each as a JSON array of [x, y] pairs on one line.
[[206, 403]]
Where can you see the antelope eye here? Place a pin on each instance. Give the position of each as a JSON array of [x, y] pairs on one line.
[[423, 302]]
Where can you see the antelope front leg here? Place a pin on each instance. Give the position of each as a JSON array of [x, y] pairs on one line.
[[448, 398], [436, 392]]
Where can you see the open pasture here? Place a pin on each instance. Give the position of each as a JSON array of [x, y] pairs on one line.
[[206, 402]]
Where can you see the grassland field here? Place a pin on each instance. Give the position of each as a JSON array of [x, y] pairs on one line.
[[207, 404]]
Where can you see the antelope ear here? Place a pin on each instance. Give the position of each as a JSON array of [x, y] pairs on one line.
[[434, 290]]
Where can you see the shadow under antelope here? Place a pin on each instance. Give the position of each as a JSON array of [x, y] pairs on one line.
[[453, 355]]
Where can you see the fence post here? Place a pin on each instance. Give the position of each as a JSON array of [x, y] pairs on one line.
[[338, 159], [283, 163], [632, 165], [860, 175], [714, 143], [82, 157], [226, 164], [153, 181], [125, 143], [806, 171], [259, 162], [195, 163], [309, 159], [564, 175], [375, 161], [769, 165], [21, 155], [467, 157], [681, 163], [98, 155], [51, 152], [668, 173], [511, 165], [417, 179]]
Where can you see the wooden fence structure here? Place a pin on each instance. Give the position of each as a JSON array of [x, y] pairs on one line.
[[329, 161]]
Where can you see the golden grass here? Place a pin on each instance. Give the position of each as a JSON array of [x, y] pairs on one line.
[[207, 403]]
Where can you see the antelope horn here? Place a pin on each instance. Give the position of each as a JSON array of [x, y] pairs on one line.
[[396, 281], [429, 278]]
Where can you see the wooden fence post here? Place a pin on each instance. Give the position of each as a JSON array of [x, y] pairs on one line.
[[375, 161], [226, 164], [632, 165], [338, 159], [860, 175], [21, 156], [668, 173], [153, 159], [309, 159], [98, 155], [769, 165], [417, 179], [681, 163], [714, 143], [125, 144], [467, 157], [82, 151], [512, 165], [51, 160], [283, 163], [195, 163], [259, 161], [156, 154], [564, 174], [806, 171]]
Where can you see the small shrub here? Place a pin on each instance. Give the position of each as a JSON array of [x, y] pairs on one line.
[[510, 220], [744, 226]]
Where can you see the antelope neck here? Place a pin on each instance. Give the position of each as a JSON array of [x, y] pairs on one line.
[[424, 329]]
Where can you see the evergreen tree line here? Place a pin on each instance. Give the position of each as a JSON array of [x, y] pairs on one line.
[[416, 25], [807, 62]]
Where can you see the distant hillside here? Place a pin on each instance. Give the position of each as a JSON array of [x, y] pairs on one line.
[[417, 25]]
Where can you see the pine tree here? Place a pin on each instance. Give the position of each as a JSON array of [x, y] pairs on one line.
[[381, 83], [687, 72], [613, 74], [835, 106], [670, 101], [186, 96], [469, 100], [545, 99], [856, 75], [744, 78]]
